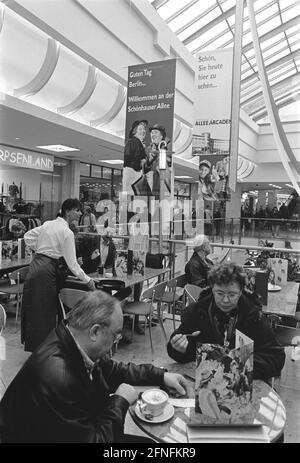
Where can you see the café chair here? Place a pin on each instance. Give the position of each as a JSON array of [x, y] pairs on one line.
[[145, 306], [170, 297], [2, 318], [192, 293], [287, 335], [17, 278], [68, 298]]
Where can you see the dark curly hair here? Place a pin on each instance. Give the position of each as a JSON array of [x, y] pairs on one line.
[[223, 274], [68, 205]]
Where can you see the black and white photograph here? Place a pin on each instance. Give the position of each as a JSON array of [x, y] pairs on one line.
[[149, 224]]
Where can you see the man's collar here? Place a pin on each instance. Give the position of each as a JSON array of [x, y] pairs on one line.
[[62, 220], [88, 362]]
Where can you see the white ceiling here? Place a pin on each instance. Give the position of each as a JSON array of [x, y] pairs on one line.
[[33, 131]]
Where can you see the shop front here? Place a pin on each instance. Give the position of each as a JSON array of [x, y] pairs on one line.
[[100, 189], [30, 187]]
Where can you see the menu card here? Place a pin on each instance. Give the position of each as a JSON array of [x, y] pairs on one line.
[[121, 263], [229, 434], [6, 250], [223, 383]]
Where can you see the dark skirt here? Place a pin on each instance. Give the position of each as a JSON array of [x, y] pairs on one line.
[[40, 304]]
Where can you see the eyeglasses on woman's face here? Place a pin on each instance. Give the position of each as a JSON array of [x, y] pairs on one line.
[[230, 292], [232, 296]]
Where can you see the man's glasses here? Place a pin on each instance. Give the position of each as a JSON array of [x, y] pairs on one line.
[[231, 296], [116, 337]]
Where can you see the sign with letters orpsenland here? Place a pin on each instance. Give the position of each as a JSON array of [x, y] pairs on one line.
[[28, 159]]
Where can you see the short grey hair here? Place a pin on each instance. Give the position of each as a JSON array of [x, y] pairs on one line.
[[199, 242], [94, 307]]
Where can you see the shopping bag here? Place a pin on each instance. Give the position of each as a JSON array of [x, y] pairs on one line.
[[141, 187]]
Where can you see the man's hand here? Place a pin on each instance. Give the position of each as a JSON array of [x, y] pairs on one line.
[[79, 261], [180, 342], [176, 383], [91, 285], [127, 392]]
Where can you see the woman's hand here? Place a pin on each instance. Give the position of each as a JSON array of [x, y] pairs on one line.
[[91, 285]]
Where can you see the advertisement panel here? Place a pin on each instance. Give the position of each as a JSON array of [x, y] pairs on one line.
[[149, 128], [211, 138]]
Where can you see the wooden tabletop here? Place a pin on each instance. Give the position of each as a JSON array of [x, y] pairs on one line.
[[269, 411], [131, 280], [9, 265], [283, 302]]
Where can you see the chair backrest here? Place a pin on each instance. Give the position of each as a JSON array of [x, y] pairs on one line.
[[192, 292], [181, 280], [156, 291], [69, 297], [19, 274], [171, 284], [2, 318]]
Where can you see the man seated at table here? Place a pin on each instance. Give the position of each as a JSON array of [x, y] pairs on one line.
[[221, 309], [69, 390], [199, 265]]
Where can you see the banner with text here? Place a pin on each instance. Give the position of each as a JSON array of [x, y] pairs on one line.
[[211, 138], [149, 128], [20, 158]]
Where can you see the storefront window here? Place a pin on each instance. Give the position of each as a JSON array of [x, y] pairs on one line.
[[96, 171], [30, 195], [85, 169], [106, 172]]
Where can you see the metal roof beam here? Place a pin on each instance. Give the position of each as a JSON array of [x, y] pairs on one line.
[[158, 3], [273, 65], [209, 25], [273, 87], [182, 10], [283, 27]]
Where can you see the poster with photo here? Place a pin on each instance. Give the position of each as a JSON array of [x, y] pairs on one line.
[[149, 128], [6, 248], [223, 383], [278, 271], [138, 262], [211, 138], [121, 263]]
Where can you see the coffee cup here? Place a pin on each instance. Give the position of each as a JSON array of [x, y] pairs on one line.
[[153, 402]]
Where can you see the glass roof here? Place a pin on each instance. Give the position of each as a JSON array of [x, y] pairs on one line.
[[210, 24]]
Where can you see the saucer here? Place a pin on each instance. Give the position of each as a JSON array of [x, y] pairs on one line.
[[274, 287], [165, 416]]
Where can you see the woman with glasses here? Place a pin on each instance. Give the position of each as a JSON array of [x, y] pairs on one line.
[[51, 241], [222, 309]]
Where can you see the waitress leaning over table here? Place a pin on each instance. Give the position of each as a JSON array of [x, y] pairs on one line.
[[50, 242]]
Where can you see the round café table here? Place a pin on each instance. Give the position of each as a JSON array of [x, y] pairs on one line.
[[269, 411]]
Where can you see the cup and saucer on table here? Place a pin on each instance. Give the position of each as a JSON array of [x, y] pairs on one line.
[[154, 407]]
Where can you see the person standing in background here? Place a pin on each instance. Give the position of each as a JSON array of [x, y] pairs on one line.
[[88, 219], [50, 242]]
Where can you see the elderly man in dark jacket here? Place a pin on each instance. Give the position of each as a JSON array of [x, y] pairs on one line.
[[69, 390], [221, 309]]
